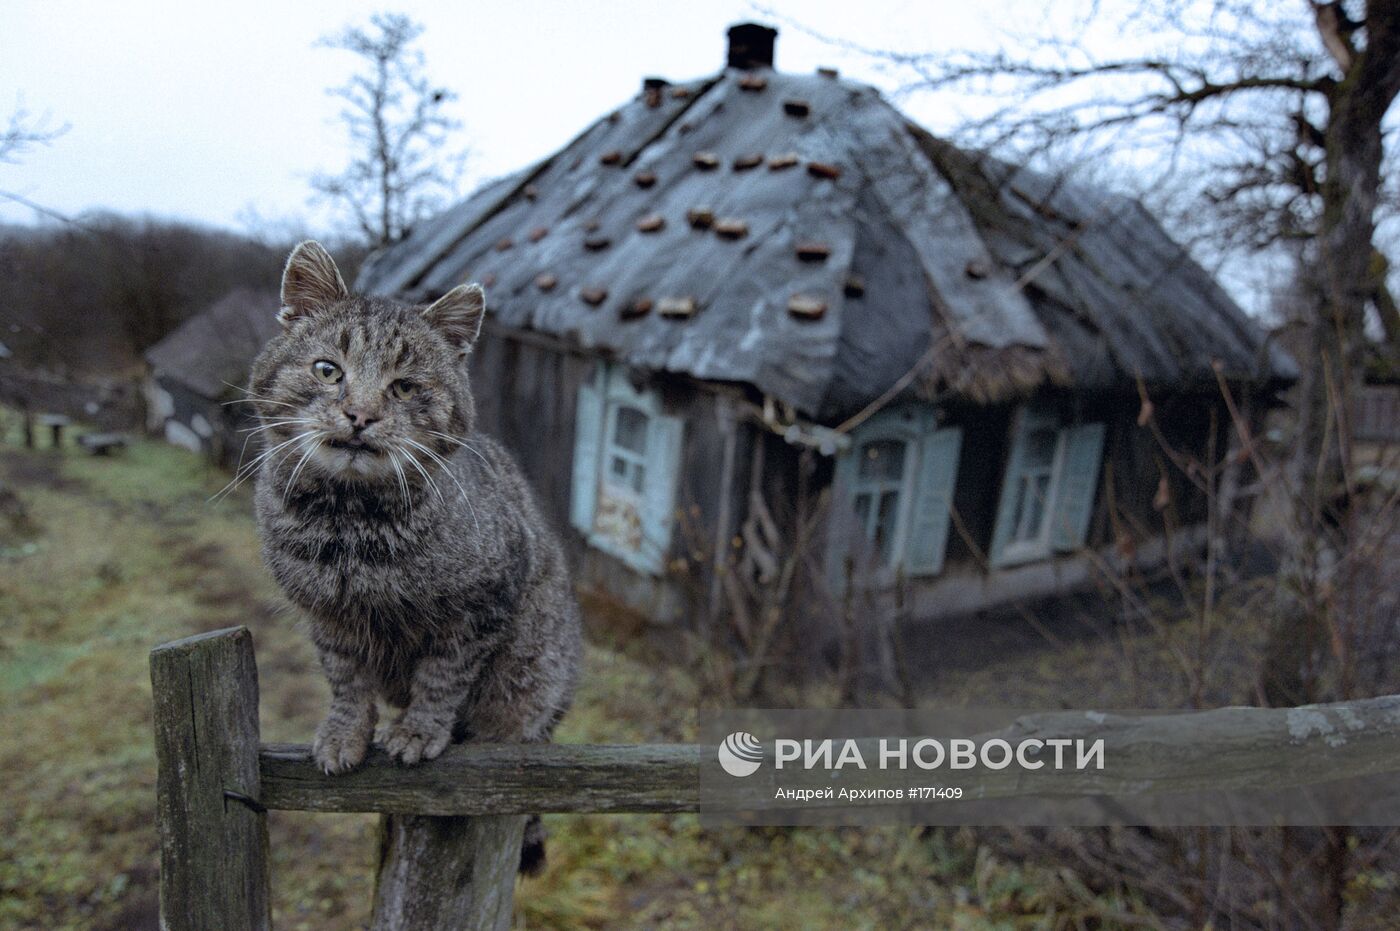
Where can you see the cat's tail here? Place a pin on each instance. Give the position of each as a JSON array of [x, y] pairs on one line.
[[532, 858]]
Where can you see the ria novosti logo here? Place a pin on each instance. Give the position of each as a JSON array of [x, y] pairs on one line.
[[740, 754]]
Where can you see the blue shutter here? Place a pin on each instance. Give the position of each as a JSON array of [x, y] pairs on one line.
[[664, 438], [1027, 419], [933, 501], [588, 436], [1078, 486]]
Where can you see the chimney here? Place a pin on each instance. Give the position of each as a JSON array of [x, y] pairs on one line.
[[652, 89], [751, 46]]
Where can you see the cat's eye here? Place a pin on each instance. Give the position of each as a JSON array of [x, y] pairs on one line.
[[327, 371], [403, 389]]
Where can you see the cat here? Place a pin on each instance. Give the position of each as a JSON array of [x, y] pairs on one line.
[[412, 543]]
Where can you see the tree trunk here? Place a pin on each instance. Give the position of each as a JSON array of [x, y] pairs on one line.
[[1338, 275], [446, 873], [1337, 278]]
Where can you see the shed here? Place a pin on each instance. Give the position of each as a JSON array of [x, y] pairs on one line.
[[745, 306], [196, 371]]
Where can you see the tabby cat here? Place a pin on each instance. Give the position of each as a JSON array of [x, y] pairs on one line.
[[413, 543]]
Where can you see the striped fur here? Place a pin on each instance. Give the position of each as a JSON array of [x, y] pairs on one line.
[[428, 575]]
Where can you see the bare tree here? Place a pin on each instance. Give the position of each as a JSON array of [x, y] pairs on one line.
[[23, 132], [402, 167], [1276, 116], [1273, 114], [88, 298], [1277, 122]]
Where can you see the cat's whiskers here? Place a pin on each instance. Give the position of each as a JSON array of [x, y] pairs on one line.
[[403, 480], [243, 449], [241, 475], [312, 445], [287, 422], [413, 461], [257, 399], [447, 468], [252, 397], [462, 442], [442, 463], [254, 431]]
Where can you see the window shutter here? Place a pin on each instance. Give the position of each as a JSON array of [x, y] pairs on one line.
[[933, 500], [664, 437], [1078, 486], [588, 436], [1028, 418]]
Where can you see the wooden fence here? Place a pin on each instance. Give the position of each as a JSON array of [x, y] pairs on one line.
[[216, 781]]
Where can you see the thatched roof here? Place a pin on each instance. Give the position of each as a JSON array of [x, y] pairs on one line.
[[857, 239], [214, 350]]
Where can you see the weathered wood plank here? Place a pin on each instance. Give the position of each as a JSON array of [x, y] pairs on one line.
[[1223, 749], [446, 872], [213, 834], [1227, 749], [492, 779]]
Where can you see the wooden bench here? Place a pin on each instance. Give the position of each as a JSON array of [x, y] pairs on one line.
[[102, 444]]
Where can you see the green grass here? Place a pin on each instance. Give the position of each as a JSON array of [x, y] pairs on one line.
[[128, 553]]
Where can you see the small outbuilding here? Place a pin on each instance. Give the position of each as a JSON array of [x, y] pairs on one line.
[[760, 329], [197, 373]]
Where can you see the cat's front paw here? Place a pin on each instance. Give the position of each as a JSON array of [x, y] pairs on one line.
[[340, 746], [410, 740]]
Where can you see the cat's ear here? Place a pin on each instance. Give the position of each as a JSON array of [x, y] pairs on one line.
[[457, 315], [310, 282]]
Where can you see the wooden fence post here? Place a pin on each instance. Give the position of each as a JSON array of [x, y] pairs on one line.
[[456, 873], [213, 833]]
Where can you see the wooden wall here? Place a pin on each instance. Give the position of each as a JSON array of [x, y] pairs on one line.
[[526, 391], [526, 388], [1133, 464]]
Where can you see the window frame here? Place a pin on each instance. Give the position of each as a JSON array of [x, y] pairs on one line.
[[1068, 504], [907, 423], [928, 488], [612, 410], [1039, 546], [601, 397], [876, 488]]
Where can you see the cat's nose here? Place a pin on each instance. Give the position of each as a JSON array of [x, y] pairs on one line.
[[359, 420]]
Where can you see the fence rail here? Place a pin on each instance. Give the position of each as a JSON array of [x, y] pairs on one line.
[[492, 779], [216, 782]]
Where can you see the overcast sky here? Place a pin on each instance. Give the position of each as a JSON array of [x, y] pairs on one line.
[[208, 111]]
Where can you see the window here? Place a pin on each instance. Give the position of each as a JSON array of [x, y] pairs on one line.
[[893, 492], [1033, 486], [626, 462], [627, 449], [1048, 491], [879, 484]]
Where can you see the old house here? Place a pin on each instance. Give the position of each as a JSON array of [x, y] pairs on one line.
[[759, 318], [196, 370]]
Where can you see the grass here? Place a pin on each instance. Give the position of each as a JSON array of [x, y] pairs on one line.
[[127, 552]]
